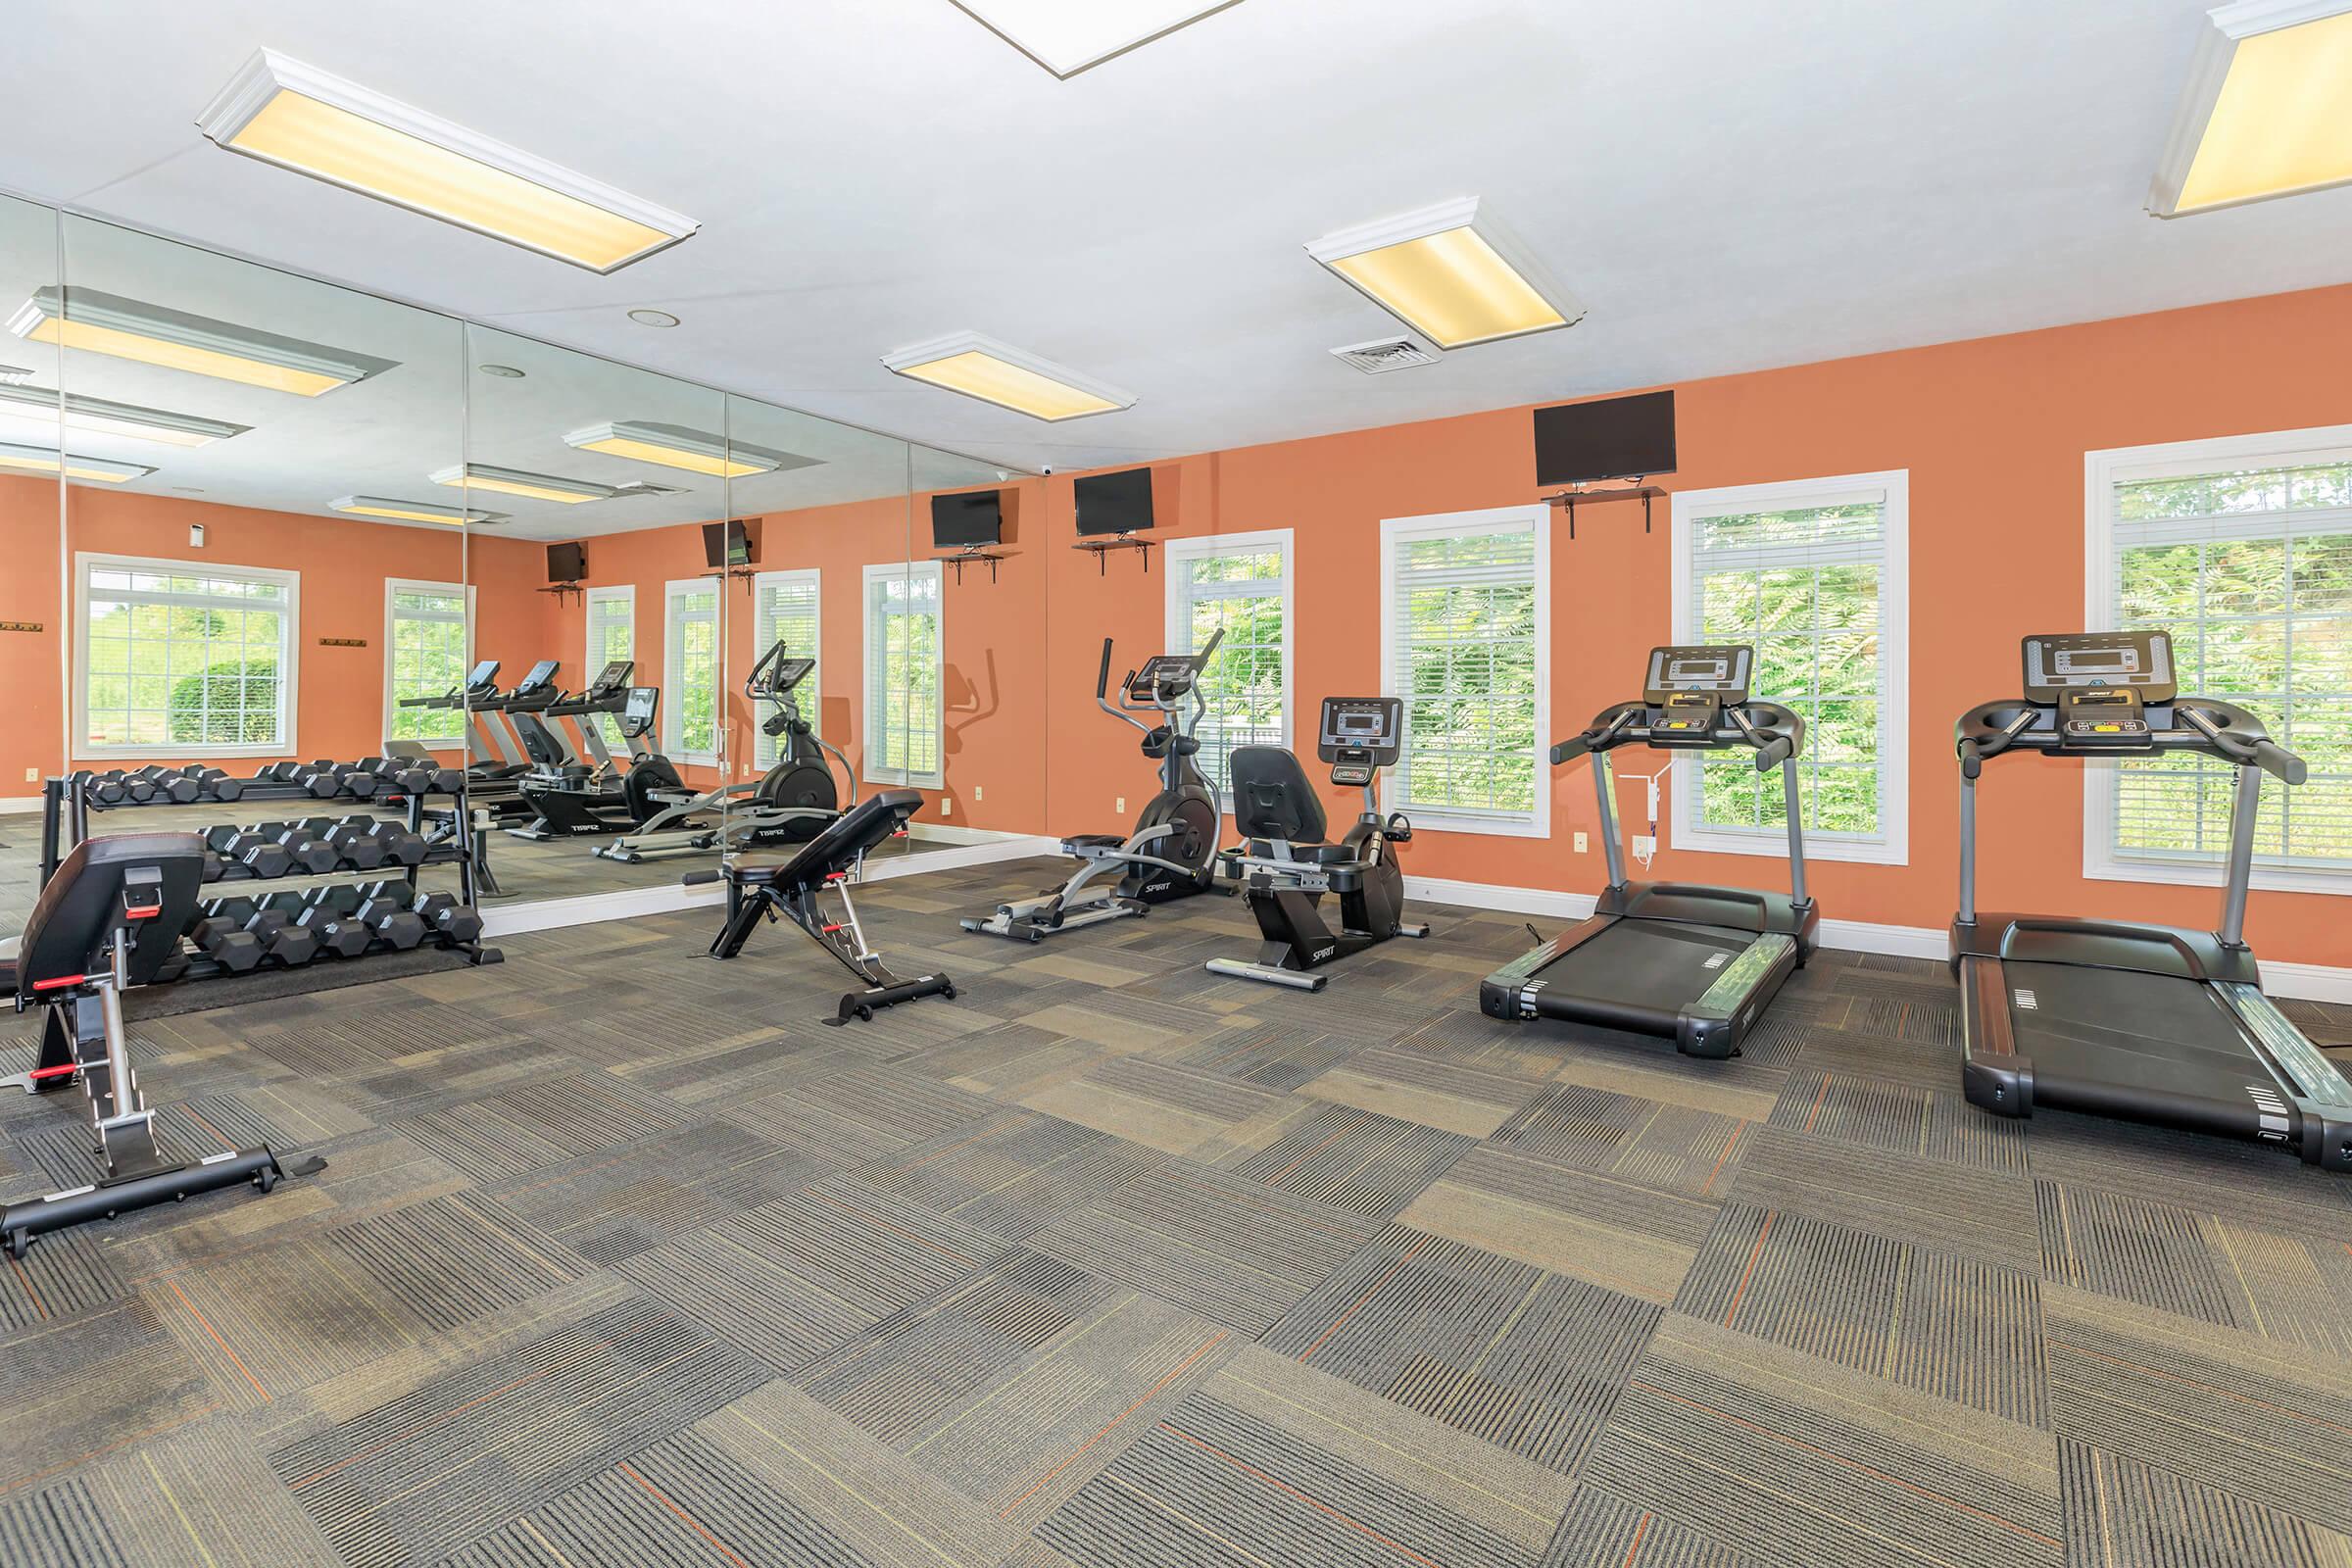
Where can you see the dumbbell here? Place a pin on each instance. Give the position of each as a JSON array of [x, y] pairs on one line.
[[114, 787], [170, 783], [284, 942], [305, 851], [335, 932], [380, 906], [451, 920], [251, 850], [222, 937], [212, 784], [399, 846], [352, 838]]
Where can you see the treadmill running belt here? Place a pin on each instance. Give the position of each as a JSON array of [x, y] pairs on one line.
[[1655, 965], [2162, 1033]]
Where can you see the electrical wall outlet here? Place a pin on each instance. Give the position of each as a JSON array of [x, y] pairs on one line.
[[946, 805], [1646, 844], [32, 775], [1121, 808], [978, 796], [1580, 844]]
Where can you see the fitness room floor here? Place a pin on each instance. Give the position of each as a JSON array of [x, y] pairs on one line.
[[619, 1259]]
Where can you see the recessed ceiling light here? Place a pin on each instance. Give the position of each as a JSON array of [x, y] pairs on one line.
[[44, 460], [297, 117], [996, 372], [2267, 111], [675, 446], [504, 371], [1067, 37], [32, 404], [653, 318], [520, 483], [411, 511], [1452, 273], [152, 334]]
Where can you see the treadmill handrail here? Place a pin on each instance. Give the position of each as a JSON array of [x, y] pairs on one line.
[[1775, 732], [2210, 727]]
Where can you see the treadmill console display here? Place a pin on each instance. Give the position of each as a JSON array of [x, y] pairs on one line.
[[541, 676], [1689, 688], [1360, 736], [2100, 685], [611, 678]]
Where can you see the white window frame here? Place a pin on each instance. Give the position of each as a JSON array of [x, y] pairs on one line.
[[2102, 472], [1537, 518], [765, 748], [673, 669], [393, 588], [1207, 547], [289, 663], [868, 765], [1893, 845]]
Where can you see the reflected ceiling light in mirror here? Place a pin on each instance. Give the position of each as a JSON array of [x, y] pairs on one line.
[[2268, 109], [521, 482], [38, 405], [14, 375], [45, 460], [675, 446], [994, 373], [1067, 37], [298, 116], [653, 318], [412, 511], [1452, 273], [152, 334]]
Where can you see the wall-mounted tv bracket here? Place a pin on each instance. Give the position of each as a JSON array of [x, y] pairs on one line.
[[1569, 499], [973, 552], [1102, 548], [720, 574], [559, 589]]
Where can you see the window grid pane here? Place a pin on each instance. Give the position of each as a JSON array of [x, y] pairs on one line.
[[428, 659], [903, 683], [612, 634], [1465, 664], [186, 661], [789, 610], [693, 673], [1241, 594]]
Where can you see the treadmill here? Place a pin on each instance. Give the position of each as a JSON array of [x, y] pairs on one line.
[[2115, 1018], [1696, 963]]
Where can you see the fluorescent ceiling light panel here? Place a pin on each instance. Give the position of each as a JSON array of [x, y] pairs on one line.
[[519, 482], [101, 417], [675, 446], [1067, 37], [411, 511], [298, 116], [45, 460], [996, 372], [14, 375], [1452, 273], [152, 334], [2267, 111]]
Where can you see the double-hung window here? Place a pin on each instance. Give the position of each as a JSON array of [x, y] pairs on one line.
[[904, 737], [612, 619], [183, 659], [1814, 575], [690, 672], [2241, 549], [1466, 641], [1240, 584], [424, 657], [788, 606]]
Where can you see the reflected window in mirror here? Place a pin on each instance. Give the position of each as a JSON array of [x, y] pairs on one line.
[[904, 637], [690, 672], [425, 657], [611, 617], [790, 609]]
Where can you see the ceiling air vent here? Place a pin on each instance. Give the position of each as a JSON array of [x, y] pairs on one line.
[[1386, 354]]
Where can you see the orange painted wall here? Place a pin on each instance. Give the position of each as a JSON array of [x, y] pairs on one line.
[[1993, 432], [34, 730]]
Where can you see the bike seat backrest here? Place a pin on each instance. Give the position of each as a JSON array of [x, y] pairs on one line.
[[1273, 798], [83, 903]]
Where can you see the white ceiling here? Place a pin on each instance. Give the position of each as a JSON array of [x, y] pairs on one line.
[[1728, 184]]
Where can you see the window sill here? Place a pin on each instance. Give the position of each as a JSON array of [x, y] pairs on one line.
[[912, 781], [183, 754], [2266, 878], [1772, 845], [1426, 820]]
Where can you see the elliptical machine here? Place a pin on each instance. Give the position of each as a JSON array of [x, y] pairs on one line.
[[790, 804], [1170, 854], [1285, 867]]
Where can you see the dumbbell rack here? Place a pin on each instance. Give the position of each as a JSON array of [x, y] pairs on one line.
[[66, 805]]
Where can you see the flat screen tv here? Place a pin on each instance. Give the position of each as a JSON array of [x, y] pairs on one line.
[[1615, 438], [733, 543], [1114, 503], [967, 520], [567, 562]]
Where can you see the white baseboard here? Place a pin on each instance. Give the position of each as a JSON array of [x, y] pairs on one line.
[[629, 904], [2307, 982], [955, 833], [19, 802]]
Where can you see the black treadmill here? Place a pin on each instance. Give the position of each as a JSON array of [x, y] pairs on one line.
[[2143, 1022], [1696, 963]]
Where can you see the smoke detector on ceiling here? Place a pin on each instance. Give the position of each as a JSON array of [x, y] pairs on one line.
[[1384, 354]]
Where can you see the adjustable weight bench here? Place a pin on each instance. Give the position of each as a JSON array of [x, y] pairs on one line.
[[108, 919], [828, 863]]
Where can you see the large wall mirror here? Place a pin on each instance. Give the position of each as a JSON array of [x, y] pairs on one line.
[[33, 635]]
